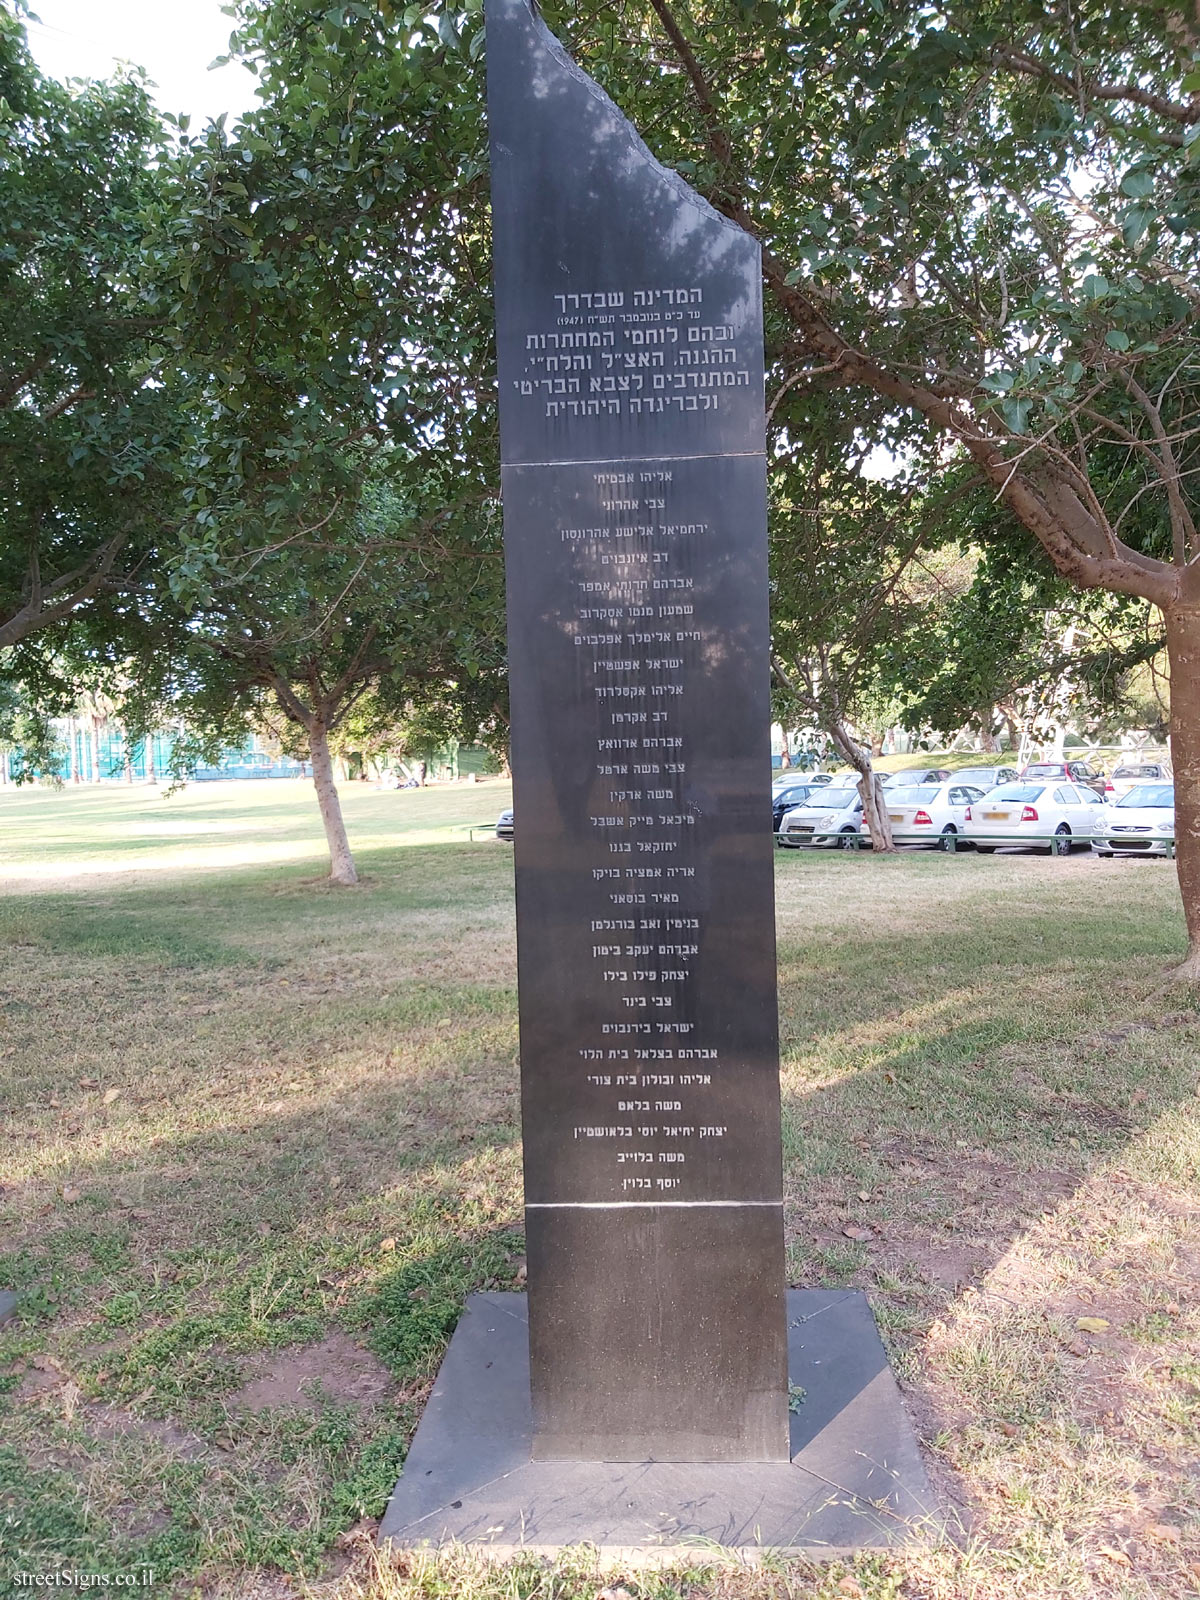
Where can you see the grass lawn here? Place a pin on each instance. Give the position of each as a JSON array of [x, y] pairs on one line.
[[258, 1137]]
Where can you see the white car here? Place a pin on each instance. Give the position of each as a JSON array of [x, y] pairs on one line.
[[797, 775], [986, 778], [1130, 774], [1047, 816], [1142, 820], [910, 777], [831, 819], [933, 813]]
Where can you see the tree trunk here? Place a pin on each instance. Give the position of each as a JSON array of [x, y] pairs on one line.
[[151, 769], [341, 862], [988, 741], [1183, 649], [869, 787], [95, 751]]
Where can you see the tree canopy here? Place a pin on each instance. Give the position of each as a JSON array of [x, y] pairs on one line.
[[979, 229], [89, 427]]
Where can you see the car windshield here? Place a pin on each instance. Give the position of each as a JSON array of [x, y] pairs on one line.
[[1149, 797], [831, 800], [790, 797], [918, 796], [1022, 793], [1138, 772], [1047, 769], [976, 775]]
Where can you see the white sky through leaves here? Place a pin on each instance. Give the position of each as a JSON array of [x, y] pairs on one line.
[[174, 40]]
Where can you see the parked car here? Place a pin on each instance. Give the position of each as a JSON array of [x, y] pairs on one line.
[[933, 813], [911, 776], [1143, 820], [830, 818], [1129, 774], [1072, 771], [504, 826], [1046, 816], [797, 775], [785, 800], [986, 778]]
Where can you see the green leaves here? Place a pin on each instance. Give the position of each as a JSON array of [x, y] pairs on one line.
[[1016, 413], [88, 423], [1134, 223]]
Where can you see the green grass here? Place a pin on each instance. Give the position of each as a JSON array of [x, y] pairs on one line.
[[252, 1127]]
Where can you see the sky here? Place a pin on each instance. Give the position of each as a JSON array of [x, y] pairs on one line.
[[173, 39]]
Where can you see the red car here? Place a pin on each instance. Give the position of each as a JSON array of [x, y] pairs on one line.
[[1071, 771]]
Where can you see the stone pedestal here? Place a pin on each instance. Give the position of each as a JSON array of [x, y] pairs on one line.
[[854, 1479]]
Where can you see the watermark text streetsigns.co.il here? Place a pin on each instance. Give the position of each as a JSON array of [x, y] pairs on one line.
[[68, 1578]]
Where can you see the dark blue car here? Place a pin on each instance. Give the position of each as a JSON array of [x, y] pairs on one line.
[[787, 799]]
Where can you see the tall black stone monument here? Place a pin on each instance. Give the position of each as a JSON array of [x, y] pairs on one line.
[[637, 1397], [629, 333]]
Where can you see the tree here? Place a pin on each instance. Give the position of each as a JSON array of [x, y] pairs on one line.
[[986, 216], [979, 221], [304, 274], [88, 423], [843, 549], [1018, 642], [376, 608]]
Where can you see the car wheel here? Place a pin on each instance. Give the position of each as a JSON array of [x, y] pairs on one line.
[[985, 849], [847, 839], [949, 839], [1061, 843]]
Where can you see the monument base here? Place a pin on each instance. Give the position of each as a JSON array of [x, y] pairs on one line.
[[855, 1480]]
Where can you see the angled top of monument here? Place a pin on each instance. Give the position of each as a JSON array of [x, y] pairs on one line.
[[599, 246]]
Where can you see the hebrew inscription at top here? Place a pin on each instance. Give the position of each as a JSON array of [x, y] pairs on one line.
[[636, 354], [635, 323]]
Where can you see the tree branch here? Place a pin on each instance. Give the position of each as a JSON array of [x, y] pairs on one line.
[[1019, 61], [1183, 529]]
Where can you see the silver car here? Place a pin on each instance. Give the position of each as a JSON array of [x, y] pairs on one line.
[[830, 819], [1141, 822]]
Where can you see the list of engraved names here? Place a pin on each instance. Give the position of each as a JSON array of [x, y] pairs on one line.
[[629, 545], [637, 640]]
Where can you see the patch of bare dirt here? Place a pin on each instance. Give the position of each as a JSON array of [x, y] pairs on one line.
[[337, 1369], [40, 1375], [114, 1422]]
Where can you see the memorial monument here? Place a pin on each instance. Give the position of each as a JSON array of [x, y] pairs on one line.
[[656, 1330]]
